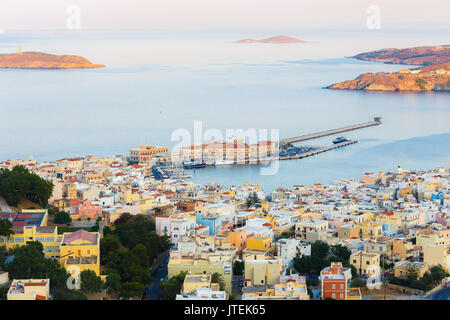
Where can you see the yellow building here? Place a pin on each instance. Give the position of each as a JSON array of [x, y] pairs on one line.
[[147, 203], [291, 290], [48, 236], [29, 289], [194, 281], [403, 268], [370, 230], [430, 240], [389, 218], [80, 251], [198, 265], [259, 243], [270, 218], [126, 195], [435, 255], [304, 227], [70, 191], [146, 153], [262, 271], [366, 263]]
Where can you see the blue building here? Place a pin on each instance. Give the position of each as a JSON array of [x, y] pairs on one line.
[[214, 223]]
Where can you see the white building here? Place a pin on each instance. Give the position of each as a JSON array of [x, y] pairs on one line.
[[175, 227], [203, 294], [287, 249]]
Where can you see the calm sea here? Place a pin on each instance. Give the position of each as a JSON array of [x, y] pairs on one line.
[[158, 81]]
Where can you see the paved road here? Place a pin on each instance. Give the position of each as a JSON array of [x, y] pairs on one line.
[[4, 206], [236, 288], [443, 294], [154, 289]]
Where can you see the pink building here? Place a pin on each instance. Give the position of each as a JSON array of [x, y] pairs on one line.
[[336, 222], [87, 210]]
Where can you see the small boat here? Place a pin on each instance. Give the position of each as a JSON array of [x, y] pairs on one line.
[[223, 162], [339, 140]]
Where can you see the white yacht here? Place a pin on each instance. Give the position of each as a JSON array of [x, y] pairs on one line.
[[223, 162]]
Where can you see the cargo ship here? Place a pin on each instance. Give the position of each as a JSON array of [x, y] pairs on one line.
[[339, 140]]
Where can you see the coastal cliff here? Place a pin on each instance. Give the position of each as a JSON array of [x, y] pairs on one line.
[[433, 76], [417, 56], [39, 60]]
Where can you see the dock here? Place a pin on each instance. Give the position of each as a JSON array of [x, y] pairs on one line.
[[376, 121], [319, 150]]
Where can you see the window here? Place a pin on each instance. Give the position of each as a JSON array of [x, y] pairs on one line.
[[342, 296], [333, 286], [333, 296], [342, 287]]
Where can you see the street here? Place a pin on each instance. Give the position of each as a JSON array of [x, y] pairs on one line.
[[443, 294], [154, 289]]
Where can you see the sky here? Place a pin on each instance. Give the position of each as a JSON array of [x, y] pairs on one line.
[[223, 14]]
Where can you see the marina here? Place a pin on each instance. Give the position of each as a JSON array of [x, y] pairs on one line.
[[376, 121]]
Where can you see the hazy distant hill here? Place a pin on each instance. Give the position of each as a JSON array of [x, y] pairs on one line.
[[275, 39], [414, 56], [39, 60]]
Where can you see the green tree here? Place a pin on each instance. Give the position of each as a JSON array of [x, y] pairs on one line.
[[218, 278], [132, 290], [312, 282], [113, 284], [438, 273], [6, 228], [232, 297], [109, 250], [341, 252], [357, 283], [238, 268], [30, 262], [62, 217], [18, 183], [411, 274], [3, 293], [3, 253], [320, 249], [170, 288], [90, 282], [252, 199]]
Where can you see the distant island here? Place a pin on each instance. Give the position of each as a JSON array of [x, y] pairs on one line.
[[39, 60], [433, 76], [275, 39]]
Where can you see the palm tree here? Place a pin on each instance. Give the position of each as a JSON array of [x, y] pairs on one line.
[[218, 278]]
